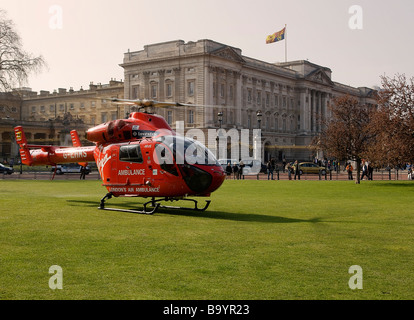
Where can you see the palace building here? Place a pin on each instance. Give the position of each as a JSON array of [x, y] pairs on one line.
[[290, 98], [228, 90]]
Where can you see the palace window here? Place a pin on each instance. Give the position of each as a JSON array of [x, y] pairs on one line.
[[169, 89], [135, 92], [169, 117], [190, 117], [222, 90], [153, 91], [190, 88]]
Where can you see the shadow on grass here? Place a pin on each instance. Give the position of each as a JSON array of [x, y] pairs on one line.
[[220, 215], [404, 184]]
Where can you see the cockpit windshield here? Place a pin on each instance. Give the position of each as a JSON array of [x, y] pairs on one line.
[[185, 151]]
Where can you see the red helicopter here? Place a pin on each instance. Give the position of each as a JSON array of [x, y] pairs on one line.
[[138, 157]]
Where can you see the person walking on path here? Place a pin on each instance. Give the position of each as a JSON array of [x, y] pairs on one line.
[[270, 169], [349, 169]]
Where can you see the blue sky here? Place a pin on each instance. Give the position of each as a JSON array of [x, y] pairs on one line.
[[95, 34]]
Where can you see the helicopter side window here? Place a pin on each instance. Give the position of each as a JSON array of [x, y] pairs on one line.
[[131, 153], [165, 159]]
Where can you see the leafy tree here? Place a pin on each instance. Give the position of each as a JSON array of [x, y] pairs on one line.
[[15, 63], [345, 135]]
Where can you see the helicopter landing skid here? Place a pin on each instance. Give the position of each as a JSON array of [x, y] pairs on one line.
[[154, 204], [196, 208], [145, 211]]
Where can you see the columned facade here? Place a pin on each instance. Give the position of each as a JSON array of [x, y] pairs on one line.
[[292, 97]]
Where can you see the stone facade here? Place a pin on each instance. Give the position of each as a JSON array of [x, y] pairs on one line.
[[88, 106], [291, 96], [48, 118]]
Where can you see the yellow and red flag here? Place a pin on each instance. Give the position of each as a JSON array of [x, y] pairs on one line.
[[277, 36]]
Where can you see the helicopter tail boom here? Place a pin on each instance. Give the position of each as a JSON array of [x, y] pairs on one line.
[[77, 143], [22, 142], [35, 155]]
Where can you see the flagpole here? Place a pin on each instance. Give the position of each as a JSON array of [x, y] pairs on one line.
[[285, 43]]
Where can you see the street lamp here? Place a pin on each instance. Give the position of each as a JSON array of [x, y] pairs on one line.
[[220, 117], [259, 118], [258, 138]]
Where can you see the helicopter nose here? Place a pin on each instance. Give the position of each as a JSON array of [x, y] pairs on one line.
[[219, 176], [202, 179]]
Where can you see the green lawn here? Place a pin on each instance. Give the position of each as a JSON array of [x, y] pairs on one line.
[[258, 240]]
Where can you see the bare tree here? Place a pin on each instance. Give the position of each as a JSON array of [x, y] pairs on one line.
[[345, 135], [15, 63], [393, 122]]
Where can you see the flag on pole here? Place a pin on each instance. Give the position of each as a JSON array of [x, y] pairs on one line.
[[277, 36]]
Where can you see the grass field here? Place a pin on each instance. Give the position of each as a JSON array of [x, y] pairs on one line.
[[258, 240]]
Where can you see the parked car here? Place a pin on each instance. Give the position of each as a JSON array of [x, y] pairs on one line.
[[70, 168], [310, 168], [4, 169]]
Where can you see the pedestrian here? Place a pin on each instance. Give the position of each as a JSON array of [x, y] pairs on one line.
[[270, 169], [284, 164], [370, 172], [83, 173], [289, 170], [241, 167], [364, 170], [349, 169], [235, 171], [228, 170], [297, 170]]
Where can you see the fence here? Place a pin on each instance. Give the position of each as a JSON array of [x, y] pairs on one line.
[[332, 175], [277, 175]]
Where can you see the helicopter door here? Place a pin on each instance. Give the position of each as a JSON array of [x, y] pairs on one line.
[[165, 159], [150, 172], [131, 166], [114, 164], [107, 165]]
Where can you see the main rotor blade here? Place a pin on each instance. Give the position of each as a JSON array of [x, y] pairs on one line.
[[148, 103], [158, 104]]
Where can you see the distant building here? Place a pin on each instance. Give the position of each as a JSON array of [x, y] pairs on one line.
[[48, 118], [88, 106], [291, 96]]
